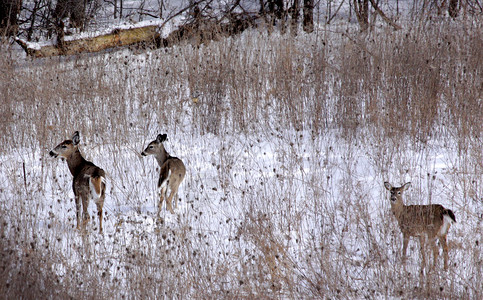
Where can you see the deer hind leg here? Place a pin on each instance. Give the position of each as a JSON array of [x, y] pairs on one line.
[[162, 197], [443, 242], [169, 200], [85, 213], [100, 205], [78, 210], [434, 245], [97, 187], [423, 252], [173, 195]]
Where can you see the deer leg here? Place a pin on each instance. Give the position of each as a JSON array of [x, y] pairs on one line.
[[78, 210], [174, 194], [435, 252], [169, 202], [423, 254], [442, 239], [85, 214], [405, 246], [161, 198], [100, 204]]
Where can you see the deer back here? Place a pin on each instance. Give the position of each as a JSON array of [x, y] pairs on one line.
[[173, 168], [419, 219], [90, 179]]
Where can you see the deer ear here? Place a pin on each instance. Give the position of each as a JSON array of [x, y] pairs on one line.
[[76, 138], [406, 185], [161, 138], [388, 186]]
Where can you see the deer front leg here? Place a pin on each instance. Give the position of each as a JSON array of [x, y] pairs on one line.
[[78, 210], [405, 246], [85, 213]]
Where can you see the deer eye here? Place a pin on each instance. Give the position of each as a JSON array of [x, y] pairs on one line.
[[399, 193], [151, 147], [64, 146]]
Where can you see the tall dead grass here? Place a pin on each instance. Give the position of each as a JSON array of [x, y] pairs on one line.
[[321, 100]]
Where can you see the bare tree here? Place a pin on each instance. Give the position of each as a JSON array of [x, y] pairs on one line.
[[361, 9], [9, 10], [295, 14], [118, 7], [275, 10], [308, 15], [73, 9], [383, 15], [453, 8]]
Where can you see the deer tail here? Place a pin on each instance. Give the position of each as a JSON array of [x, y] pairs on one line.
[[95, 184], [164, 176], [449, 213]]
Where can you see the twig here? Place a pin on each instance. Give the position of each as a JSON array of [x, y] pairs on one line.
[[383, 16], [24, 176]]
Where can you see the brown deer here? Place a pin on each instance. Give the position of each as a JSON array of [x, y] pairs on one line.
[[172, 171], [423, 221], [89, 180]]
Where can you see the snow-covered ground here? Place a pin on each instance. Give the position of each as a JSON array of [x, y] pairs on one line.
[[259, 211]]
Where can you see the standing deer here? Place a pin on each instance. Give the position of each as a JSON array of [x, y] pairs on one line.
[[423, 221], [88, 182], [172, 171]]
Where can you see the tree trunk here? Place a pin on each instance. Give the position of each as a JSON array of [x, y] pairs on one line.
[[361, 8], [308, 15], [453, 8], [72, 9], [117, 38], [275, 9], [9, 10], [33, 16], [295, 12]]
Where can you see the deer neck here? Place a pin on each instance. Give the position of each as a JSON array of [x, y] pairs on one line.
[[162, 156], [75, 162], [397, 208]]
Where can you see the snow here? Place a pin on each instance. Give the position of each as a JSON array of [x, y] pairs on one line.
[[229, 178], [314, 196]]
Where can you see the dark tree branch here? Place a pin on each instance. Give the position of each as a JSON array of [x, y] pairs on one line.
[[383, 16]]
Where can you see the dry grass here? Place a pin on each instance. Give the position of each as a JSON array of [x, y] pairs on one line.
[[339, 112]]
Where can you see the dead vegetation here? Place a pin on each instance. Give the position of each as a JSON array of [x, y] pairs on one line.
[[310, 222]]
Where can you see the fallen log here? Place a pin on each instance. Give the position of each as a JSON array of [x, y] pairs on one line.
[[196, 32], [116, 38]]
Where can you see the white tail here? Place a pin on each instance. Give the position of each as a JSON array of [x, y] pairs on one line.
[[89, 180], [423, 221], [172, 171], [95, 185]]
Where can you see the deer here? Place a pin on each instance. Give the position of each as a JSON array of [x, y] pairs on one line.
[[429, 222], [88, 179], [172, 171]]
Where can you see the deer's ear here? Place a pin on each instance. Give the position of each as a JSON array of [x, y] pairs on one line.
[[388, 186], [406, 185], [161, 138], [76, 138]]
